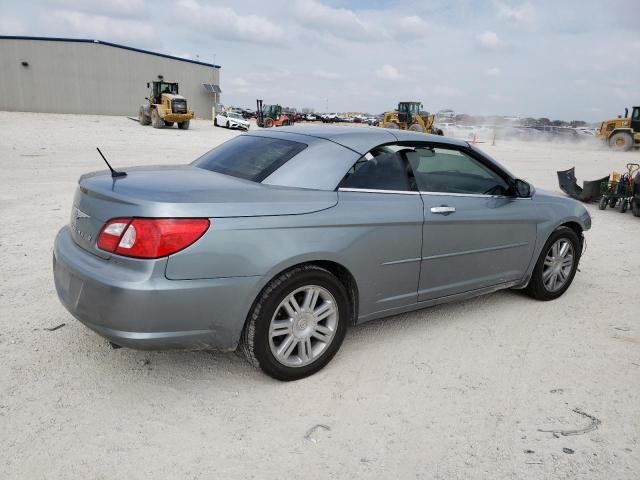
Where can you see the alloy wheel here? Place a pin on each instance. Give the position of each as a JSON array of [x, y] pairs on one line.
[[558, 265], [303, 326]]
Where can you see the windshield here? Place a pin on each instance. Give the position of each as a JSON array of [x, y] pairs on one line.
[[168, 88], [412, 108], [250, 158], [234, 115]]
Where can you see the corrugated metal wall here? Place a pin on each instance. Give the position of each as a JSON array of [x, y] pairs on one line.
[[93, 78]]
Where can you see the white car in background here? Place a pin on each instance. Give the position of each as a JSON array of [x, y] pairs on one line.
[[464, 131], [231, 120]]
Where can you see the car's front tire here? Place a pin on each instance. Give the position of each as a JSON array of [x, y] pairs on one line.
[[297, 323], [556, 266]]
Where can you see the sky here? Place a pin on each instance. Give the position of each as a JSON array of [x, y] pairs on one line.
[[562, 59]]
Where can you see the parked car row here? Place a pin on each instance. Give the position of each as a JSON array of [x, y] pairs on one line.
[[239, 119], [337, 118], [547, 133]]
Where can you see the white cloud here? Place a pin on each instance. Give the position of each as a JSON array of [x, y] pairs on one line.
[[447, 91], [498, 98], [11, 25], [115, 8], [524, 14], [340, 22], [333, 25], [327, 75], [388, 72], [238, 85], [494, 72], [100, 27], [226, 24], [489, 40], [406, 27]]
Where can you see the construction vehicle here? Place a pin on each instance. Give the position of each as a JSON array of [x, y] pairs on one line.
[[164, 106], [271, 116], [408, 116], [622, 134]]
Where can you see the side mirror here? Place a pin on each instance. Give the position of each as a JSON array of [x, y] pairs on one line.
[[147, 84], [523, 189], [147, 98]]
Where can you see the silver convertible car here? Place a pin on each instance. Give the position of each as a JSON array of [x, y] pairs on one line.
[[276, 241]]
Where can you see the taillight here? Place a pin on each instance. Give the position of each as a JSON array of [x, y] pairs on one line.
[[150, 237]]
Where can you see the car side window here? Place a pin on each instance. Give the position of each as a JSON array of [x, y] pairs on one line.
[[380, 169], [445, 170]]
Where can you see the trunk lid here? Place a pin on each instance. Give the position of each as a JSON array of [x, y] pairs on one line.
[[181, 191]]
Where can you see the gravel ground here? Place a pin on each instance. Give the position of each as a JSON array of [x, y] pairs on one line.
[[454, 391]]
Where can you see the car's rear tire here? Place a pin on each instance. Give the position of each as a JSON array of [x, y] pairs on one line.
[[215, 122], [555, 263], [297, 323]]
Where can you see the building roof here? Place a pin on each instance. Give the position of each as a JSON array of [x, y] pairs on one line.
[[109, 44]]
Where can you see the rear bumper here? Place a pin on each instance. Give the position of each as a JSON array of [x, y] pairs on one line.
[[134, 305]]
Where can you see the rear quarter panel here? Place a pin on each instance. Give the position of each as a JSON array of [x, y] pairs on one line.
[[358, 239]]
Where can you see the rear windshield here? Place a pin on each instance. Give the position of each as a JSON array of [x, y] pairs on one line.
[[250, 158]]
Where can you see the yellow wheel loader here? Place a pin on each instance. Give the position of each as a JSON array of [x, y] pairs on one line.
[[409, 117], [165, 106], [622, 134]]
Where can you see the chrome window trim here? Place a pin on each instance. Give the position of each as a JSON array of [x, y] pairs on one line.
[[477, 195], [372, 190], [440, 194]]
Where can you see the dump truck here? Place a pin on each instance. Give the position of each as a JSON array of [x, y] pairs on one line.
[[271, 116], [165, 106], [622, 134], [409, 116]]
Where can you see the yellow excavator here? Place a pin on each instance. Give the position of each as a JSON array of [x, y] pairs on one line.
[[622, 133], [408, 116]]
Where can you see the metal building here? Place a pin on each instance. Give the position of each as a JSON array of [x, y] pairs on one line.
[[64, 75]]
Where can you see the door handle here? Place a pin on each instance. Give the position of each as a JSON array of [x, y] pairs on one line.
[[443, 210]]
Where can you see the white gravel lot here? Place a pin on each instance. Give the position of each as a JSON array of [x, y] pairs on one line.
[[451, 392]]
